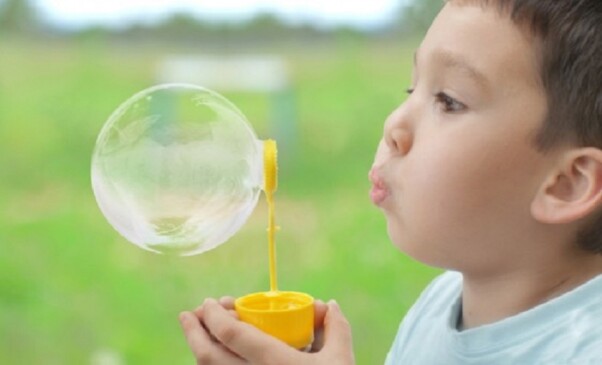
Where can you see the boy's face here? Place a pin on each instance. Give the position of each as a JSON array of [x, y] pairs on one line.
[[456, 170]]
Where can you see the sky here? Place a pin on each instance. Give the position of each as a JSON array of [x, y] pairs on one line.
[[118, 13]]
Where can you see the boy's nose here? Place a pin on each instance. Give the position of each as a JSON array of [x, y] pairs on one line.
[[399, 141], [398, 131], [396, 142]]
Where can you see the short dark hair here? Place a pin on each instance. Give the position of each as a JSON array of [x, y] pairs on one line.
[[568, 37]]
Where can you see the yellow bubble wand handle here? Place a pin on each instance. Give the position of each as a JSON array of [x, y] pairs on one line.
[[270, 172], [288, 316]]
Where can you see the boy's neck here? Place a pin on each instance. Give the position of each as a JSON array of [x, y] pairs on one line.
[[495, 297]]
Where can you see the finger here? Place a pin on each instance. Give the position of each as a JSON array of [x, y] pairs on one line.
[[233, 313], [320, 309], [318, 342], [247, 341], [198, 312], [337, 333], [227, 302], [204, 349]]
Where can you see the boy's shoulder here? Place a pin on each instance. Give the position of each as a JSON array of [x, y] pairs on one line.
[[566, 330]]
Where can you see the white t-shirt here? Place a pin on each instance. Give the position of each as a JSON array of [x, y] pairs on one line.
[[563, 331]]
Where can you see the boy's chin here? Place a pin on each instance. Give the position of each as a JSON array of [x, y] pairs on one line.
[[402, 241], [415, 249]]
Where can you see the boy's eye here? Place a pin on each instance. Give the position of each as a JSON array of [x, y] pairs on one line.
[[409, 91], [449, 104]]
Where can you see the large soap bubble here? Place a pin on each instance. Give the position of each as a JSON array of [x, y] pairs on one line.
[[177, 169]]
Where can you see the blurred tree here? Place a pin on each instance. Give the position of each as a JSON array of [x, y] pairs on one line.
[[265, 23], [267, 27], [184, 28], [416, 16], [180, 25], [18, 17]]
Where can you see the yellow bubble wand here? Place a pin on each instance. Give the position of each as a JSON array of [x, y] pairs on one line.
[[270, 171], [288, 316]]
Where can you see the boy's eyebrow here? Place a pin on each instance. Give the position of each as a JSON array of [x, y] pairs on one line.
[[452, 60]]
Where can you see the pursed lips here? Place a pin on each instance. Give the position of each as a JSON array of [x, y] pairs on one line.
[[379, 191]]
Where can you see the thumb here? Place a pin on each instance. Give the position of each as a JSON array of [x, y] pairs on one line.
[[337, 332]]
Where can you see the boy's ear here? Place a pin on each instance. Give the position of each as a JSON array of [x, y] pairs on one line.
[[573, 189]]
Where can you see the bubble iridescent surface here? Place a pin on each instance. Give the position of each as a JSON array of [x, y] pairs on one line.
[[177, 169]]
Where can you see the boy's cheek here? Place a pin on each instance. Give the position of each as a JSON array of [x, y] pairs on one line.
[[444, 188]]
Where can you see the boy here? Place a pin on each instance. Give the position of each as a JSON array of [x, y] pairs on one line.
[[491, 169]]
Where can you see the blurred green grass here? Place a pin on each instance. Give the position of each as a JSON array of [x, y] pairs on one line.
[[72, 291]]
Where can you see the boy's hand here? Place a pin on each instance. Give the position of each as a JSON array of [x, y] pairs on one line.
[[216, 336]]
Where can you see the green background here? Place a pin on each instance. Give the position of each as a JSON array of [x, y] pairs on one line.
[[72, 291]]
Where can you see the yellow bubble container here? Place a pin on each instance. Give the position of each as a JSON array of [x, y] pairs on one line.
[[288, 316]]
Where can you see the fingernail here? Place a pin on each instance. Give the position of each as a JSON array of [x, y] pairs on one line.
[[333, 304]]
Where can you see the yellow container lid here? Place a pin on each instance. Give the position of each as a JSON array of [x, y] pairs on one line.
[[288, 316]]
